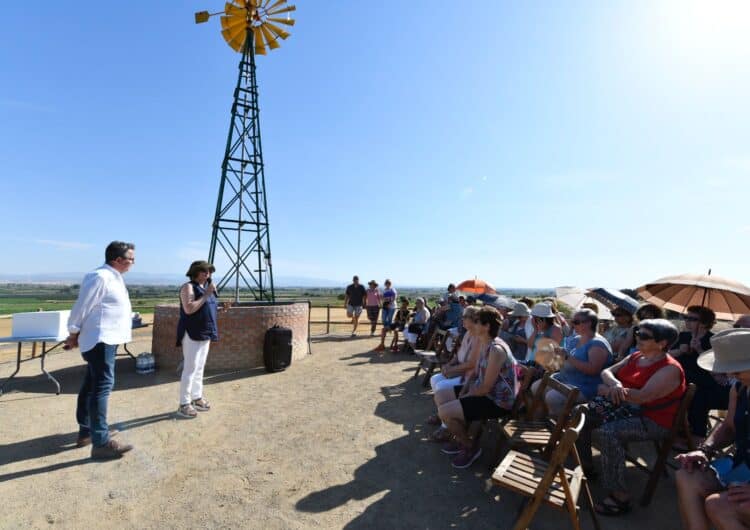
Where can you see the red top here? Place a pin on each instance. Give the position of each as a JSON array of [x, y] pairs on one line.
[[633, 376]]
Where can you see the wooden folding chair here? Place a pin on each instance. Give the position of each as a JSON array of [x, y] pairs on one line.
[[432, 356], [664, 446], [537, 434], [549, 482]]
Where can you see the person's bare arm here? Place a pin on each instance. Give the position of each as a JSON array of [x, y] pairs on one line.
[[187, 298]]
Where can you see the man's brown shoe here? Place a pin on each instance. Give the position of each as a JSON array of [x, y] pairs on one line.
[[112, 450], [83, 441]]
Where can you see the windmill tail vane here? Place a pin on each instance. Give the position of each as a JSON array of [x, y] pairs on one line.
[[255, 19]]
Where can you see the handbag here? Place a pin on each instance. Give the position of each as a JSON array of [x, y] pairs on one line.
[[602, 410]]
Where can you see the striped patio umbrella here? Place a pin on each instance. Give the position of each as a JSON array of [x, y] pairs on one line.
[[727, 298]]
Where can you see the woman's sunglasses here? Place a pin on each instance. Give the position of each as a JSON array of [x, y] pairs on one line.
[[640, 335]]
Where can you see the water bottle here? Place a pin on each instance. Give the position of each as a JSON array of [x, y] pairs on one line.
[[151, 363], [140, 363]]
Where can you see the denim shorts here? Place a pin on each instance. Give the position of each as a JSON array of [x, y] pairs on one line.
[[728, 474]]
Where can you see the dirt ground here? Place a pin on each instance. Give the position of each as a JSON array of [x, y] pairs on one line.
[[336, 441]]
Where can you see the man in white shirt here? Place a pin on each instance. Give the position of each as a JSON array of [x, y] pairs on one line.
[[100, 321]]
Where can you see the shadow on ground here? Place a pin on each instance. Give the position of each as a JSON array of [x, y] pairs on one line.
[[420, 487], [125, 378], [45, 446]]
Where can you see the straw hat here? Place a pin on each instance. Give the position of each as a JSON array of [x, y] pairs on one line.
[[546, 355], [372, 283], [730, 352], [542, 310], [520, 310]]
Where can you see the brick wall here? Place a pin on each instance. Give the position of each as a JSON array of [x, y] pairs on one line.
[[241, 333]]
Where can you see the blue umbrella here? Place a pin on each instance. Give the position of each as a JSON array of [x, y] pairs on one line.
[[613, 299]]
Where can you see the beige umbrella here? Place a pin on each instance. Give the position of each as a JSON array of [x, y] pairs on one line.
[[727, 298]]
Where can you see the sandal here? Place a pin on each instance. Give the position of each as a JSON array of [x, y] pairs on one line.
[[433, 420], [201, 405], [610, 506], [440, 435]]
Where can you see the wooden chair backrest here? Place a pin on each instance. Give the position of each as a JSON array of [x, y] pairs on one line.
[[571, 398], [564, 449]]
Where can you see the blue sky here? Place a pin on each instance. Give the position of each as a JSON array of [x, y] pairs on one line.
[[528, 143]]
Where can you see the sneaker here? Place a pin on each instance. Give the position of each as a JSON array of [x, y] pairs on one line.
[[111, 450], [466, 457], [452, 448], [201, 405], [187, 411], [84, 440]]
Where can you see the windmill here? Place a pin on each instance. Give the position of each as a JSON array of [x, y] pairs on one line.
[[240, 226]]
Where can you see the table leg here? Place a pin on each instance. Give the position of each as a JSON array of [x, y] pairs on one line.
[[18, 367], [125, 347], [49, 376]]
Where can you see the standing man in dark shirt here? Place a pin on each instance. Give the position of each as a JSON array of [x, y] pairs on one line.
[[354, 300]]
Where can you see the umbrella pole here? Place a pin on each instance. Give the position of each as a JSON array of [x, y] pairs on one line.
[[705, 292]]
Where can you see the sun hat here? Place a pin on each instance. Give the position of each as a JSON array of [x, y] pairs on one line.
[[729, 353], [420, 299], [520, 310], [542, 310], [373, 283]]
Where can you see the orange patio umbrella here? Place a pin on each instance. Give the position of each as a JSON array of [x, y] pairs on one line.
[[476, 286], [729, 299]]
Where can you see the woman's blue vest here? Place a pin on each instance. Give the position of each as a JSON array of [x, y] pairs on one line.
[[200, 325]]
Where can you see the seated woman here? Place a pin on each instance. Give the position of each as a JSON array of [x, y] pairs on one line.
[[544, 325], [589, 353], [515, 336], [652, 382], [452, 373], [620, 336], [712, 390], [417, 325], [717, 494], [489, 391]]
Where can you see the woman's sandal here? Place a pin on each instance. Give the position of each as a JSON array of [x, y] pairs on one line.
[[610, 506], [441, 434], [433, 420]]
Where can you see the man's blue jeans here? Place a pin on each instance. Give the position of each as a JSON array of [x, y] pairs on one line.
[[94, 394]]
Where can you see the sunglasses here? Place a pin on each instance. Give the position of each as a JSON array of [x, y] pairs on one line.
[[640, 335], [690, 319], [577, 322]]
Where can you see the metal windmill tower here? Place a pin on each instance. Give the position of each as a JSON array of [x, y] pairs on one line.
[[240, 226]]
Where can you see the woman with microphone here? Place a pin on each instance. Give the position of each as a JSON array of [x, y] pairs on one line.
[[195, 331]]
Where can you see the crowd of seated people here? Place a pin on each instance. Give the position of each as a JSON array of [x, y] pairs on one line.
[[632, 380]]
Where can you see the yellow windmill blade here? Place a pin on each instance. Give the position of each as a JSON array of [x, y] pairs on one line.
[[287, 21], [276, 3], [282, 10], [260, 48], [276, 30], [270, 37], [234, 10], [233, 22]]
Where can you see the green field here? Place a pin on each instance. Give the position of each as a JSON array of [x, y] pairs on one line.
[[21, 298]]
